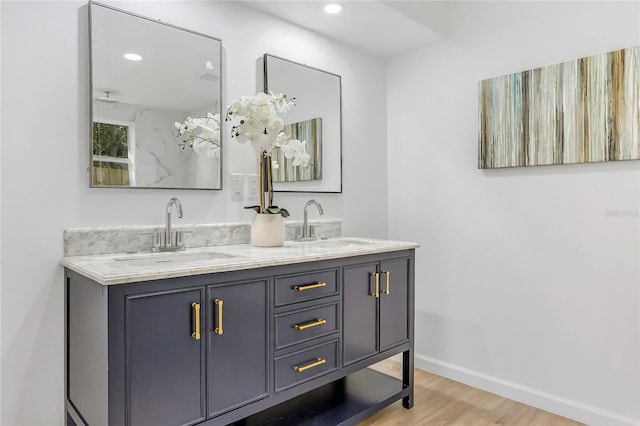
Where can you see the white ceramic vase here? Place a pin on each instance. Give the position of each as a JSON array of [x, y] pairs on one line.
[[267, 230]]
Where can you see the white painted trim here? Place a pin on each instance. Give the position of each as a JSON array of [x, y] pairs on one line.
[[545, 401]]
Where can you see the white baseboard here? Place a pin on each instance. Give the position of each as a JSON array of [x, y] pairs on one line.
[[545, 401]]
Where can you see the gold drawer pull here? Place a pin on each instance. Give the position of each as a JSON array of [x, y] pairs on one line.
[[316, 363], [219, 329], [309, 287], [196, 313], [376, 293], [311, 324], [388, 289]]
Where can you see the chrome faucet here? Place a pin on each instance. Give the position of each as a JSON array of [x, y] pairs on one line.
[[169, 241], [307, 231]]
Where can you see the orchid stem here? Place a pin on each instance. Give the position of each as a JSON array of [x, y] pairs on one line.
[[261, 182], [269, 182]]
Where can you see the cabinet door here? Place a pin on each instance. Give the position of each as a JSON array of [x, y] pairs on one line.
[[394, 303], [164, 360], [359, 312], [237, 336]]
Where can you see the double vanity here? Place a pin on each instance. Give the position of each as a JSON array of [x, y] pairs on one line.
[[234, 334], [222, 332]]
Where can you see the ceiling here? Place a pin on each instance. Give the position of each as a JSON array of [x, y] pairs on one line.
[[385, 28]]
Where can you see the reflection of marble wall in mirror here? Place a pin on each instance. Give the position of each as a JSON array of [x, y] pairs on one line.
[[317, 94], [159, 159], [166, 86]]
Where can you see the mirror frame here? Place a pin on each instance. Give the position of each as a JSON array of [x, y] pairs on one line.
[[278, 186], [91, 4]]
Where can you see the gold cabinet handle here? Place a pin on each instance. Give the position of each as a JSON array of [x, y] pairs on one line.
[[196, 313], [309, 287], [388, 289], [219, 329], [311, 324], [376, 293], [316, 363]]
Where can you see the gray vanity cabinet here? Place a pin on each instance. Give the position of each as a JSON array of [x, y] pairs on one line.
[[237, 339], [164, 358], [279, 345], [376, 307]]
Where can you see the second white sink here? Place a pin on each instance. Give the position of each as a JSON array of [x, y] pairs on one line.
[[337, 243]]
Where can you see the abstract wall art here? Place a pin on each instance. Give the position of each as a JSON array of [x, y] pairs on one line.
[[309, 131], [581, 111]]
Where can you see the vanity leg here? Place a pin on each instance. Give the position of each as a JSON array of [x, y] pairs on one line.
[[407, 377]]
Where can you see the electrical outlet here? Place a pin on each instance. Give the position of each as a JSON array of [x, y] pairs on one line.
[[252, 185], [237, 184]]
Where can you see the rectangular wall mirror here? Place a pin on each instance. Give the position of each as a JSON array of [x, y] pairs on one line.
[[147, 75], [316, 119]]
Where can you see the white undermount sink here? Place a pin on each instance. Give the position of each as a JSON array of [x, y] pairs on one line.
[[338, 243], [153, 259]]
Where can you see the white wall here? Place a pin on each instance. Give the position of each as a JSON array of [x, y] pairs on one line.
[[45, 102], [527, 278]]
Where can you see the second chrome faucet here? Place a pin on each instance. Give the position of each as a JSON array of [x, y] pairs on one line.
[[307, 232], [171, 238]]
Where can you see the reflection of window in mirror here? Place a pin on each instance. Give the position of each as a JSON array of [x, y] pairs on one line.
[[113, 153]]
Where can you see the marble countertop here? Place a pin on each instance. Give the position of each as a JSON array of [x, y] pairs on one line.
[[121, 268]]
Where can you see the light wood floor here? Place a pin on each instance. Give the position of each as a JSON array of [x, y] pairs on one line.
[[439, 401]]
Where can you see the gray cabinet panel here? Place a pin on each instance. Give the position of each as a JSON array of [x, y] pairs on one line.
[[359, 312], [306, 286], [305, 365], [87, 348], [237, 359], [302, 325], [164, 362], [394, 325]]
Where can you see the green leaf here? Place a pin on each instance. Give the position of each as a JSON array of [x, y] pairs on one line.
[[277, 210], [270, 210]]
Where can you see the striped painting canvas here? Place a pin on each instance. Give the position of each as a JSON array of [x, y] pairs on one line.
[[311, 132], [581, 111]]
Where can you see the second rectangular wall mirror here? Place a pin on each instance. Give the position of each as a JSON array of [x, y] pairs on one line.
[[317, 118], [146, 76]]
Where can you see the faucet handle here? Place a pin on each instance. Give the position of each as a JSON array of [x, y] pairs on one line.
[[156, 240], [305, 233]]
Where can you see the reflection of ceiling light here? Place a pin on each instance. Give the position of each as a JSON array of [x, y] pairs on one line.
[[333, 8], [133, 56]]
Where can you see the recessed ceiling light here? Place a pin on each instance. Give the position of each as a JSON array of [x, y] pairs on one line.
[[333, 8], [133, 56]]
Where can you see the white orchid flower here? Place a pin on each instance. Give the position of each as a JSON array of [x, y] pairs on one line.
[[203, 132], [302, 159], [213, 151], [298, 151]]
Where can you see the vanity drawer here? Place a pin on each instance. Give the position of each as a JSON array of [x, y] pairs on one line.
[[305, 365], [303, 325], [295, 288]]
